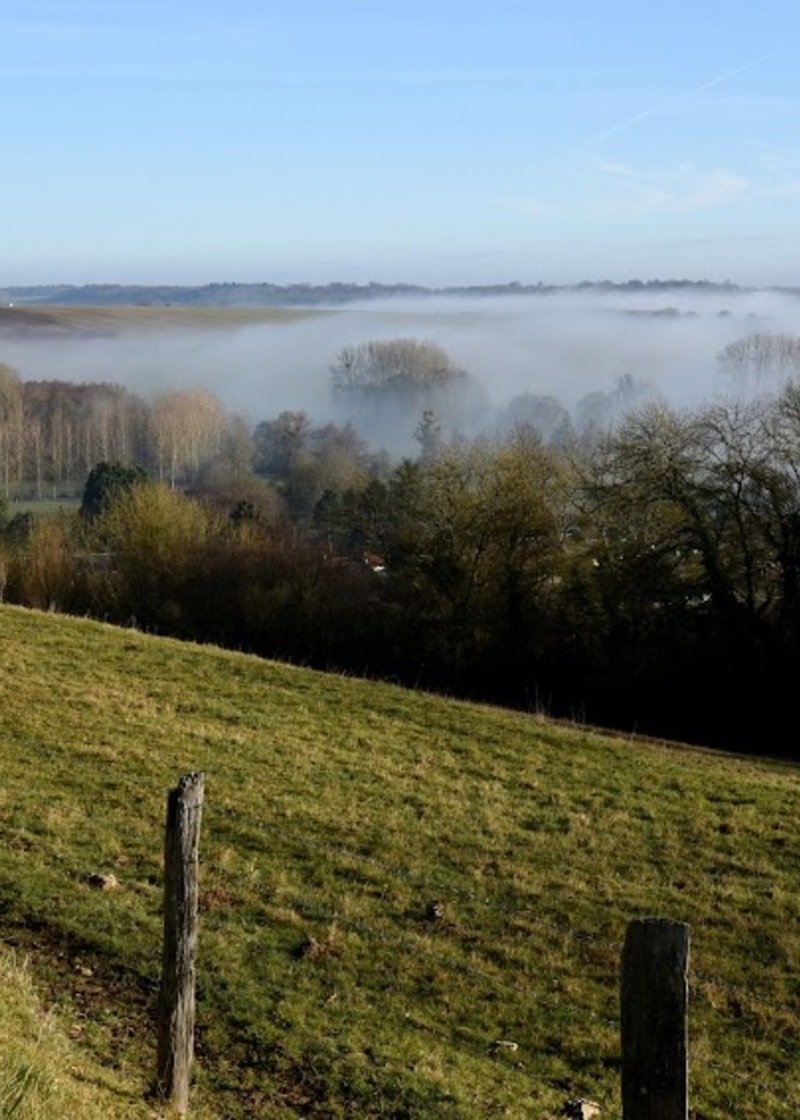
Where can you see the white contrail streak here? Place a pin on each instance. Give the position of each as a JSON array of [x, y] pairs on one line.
[[732, 73], [629, 122]]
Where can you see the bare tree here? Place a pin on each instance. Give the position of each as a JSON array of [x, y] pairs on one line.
[[760, 357], [11, 448], [187, 427], [405, 367]]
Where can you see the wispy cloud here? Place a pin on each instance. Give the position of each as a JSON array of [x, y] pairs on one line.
[[680, 188], [685, 187], [781, 190], [714, 188]]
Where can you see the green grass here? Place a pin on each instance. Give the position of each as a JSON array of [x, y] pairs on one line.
[[44, 507], [336, 811], [43, 1072]]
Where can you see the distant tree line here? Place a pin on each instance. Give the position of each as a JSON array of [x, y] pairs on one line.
[[309, 295], [643, 574]]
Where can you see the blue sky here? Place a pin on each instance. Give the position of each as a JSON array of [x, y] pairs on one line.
[[435, 142]]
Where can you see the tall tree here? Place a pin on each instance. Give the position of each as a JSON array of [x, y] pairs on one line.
[[11, 428], [187, 428]]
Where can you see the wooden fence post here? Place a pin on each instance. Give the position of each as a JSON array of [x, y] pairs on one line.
[[176, 1013], [654, 998]]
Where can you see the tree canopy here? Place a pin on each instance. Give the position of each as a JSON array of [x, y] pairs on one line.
[[106, 482], [403, 367]]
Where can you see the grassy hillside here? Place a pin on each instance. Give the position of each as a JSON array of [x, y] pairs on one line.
[[337, 812], [44, 1072]]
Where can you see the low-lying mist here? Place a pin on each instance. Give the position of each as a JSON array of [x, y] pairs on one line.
[[566, 346]]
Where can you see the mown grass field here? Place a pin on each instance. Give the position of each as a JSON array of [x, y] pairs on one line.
[[44, 507], [337, 811]]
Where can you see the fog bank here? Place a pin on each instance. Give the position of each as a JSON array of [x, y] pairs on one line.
[[565, 345]]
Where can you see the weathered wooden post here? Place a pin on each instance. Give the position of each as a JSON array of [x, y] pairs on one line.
[[654, 997], [177, 997]]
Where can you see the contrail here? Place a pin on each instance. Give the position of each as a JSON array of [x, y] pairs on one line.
[[732, 73], [629, 122]]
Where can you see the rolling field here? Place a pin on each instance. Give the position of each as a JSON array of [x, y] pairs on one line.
[[392, 884], [99, 322]]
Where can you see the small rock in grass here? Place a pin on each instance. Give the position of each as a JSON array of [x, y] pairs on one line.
[[103, 882], [312, 948], [506, 1044], [579, 1109]]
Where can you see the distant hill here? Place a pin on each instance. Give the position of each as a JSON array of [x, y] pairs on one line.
[[312, 295]]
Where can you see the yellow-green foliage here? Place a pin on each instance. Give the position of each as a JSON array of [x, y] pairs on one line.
[[337, 812], [47, 564], [151, 525], [153, 533]]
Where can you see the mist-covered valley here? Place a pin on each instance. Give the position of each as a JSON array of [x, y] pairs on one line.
[[622, 545], [572, 346]]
